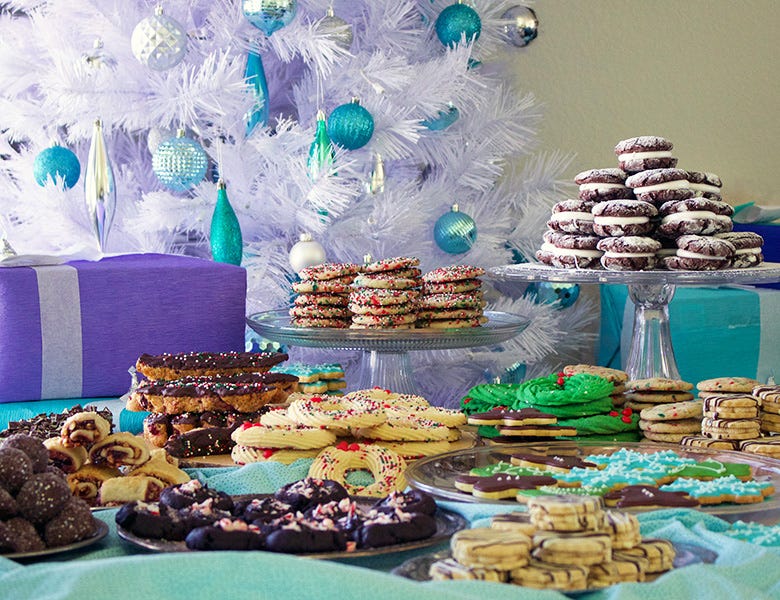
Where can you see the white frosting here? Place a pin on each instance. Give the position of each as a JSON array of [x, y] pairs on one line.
[[694, 214], [620, 220], [548, 247], [628, 254], [749, 251], [639, 155], [677, 184], [705, 187], [569, 215], [601, 186], [688, 254]]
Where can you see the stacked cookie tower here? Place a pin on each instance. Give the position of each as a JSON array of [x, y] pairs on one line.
[[384, 295], [196, 399], [768, 397], [565, 543], [667, 409], [451, 297], [647, 214], [730, 409], [323, 295]]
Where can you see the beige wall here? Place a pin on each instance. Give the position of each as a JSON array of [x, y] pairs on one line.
[[703, 73]]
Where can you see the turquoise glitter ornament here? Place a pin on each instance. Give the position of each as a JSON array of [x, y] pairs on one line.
[[55, 162], [269, 15], [321, 152], [350, 125], [254, 75], [225, 238], [455, 232], [455, 21], [444, 119], [180, 163], [563, 295]]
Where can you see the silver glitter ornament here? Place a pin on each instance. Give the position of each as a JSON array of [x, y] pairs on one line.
[[159, 42], [337, 29], [521, 26]]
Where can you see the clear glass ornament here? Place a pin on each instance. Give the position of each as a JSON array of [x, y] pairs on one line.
[[99, 187], [180, 163], [321, 152], [254, 75], [455, 232], [57, 162], [455, 21], [350, 125], [337, 29], [97, 57], [306, 252], [520, 25], [159, 41], [376, 179], [269, 15], [225, 238]]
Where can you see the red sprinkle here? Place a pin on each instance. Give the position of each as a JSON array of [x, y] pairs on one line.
[[466, 400], [613, 413], [627, 411], [342, 446], [625, 419], [268, 453], [354, 447]]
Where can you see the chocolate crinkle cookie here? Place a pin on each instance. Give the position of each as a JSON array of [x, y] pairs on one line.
[[623, 217], [42, 496], [15, 469], [748, 247], [603, 184], [645, 152], [32, 447], [73, 523], [707, 185], [661, 185], [701, 253], [572, 216], [694, 216], [569, 251], [629, 253], [8, 506]]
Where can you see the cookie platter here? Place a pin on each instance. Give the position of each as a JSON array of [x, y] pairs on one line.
[[418, 568], [447, 523], [101, 531], [436, 475]]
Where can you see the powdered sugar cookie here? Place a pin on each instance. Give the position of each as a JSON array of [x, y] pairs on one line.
[[328, 299], [697, 216], [327, 271], [386, 282], [452, 287], [706, 185], [660, 185], [569, 251], [645, 152], [320, 312], [623, 217], [453, 273], [701, 253], [603, 184], [748, 245], [629, 253], [382, 297], [572, 216], [391, 264], [328, 286]]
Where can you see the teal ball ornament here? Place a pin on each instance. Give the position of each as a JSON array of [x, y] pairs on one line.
[[563, 295], [55, 162], [350, 125], [455, 232], [180, 163], [455, 21]]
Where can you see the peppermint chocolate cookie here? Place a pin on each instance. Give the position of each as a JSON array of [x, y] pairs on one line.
[[603, 184], [623, 217], [701, 253], [661, 185], [572, 216], [628, 253], [645, 152], [695, 216]]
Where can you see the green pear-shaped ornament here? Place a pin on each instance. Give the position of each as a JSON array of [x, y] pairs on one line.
[[225, 236]]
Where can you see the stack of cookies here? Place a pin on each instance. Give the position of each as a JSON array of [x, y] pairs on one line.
[[384, 295], [730, 409], [566, 543], [452, 298], [521, 425], [768, 397], [667, 409], [323, 296]]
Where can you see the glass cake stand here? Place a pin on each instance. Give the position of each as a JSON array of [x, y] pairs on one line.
[[385, 352], [651, 353]]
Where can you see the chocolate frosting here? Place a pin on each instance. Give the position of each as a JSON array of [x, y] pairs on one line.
[[213, 360], [647, 495]]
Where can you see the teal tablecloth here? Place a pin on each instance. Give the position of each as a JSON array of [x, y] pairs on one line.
[[116, 570]]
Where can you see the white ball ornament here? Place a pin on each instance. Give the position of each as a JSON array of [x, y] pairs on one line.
[[159, 42], [306, 252]]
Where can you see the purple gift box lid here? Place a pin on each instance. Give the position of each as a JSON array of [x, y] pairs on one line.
[[113, 310]]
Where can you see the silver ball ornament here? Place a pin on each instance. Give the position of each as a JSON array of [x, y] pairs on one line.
[[306, 252], [337, 29], [520, 25]]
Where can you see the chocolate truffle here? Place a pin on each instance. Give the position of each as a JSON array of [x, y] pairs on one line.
[[73, 523], [8, 506], [42, 496], [15, 469], [32, 447], [24, 536]]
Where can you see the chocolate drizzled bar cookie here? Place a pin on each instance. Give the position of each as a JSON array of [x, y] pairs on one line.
[[195, 364], [246, 392]]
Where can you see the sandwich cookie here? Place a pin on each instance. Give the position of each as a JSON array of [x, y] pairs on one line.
[[748, 248], [490, 548], [629, 253], [645, 152], [588, 548], [700, 253], [657, 186], [603, 184], [569, 251], [543, 575], [706, 185], [697, 216], [572, 216], [623, 217]]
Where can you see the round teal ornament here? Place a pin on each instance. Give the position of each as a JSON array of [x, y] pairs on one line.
[[455, 232], [180, 163], [55, 162], [455, 21], [350, 125]]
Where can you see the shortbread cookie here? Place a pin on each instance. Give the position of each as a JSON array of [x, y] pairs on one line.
[[514, 521], [668, 438], [623, 568], [645, 152], [555, 462], [731, 429], [728, 384], [452, 287], [623, 528], [730, 406], [770, 423], [526, 416], [243, 455], [297, 437], [453, 273], [766, 446], [673, 411], [449, 568], [486, 547], [544, 575], [327, 271], [686, 426], [537, 431], [596, 185], [502, 486], [700, 441], [658, 384], [722, 489], [564, 507], [659, 554], [585, 549]]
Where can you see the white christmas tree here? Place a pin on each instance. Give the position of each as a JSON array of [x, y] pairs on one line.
[[447, 129]]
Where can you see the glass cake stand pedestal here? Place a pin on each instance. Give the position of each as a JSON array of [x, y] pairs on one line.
[[385, 359], [651, 353]]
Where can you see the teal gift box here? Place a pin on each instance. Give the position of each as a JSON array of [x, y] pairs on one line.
[[716, 332]]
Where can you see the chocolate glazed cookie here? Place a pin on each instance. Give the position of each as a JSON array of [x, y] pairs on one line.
[[696, 216], [748, 248], [623, 217], [645, 152], [567, 251], [572, 216], [603, 184], [661, 185], [701, 253], [629, 253]]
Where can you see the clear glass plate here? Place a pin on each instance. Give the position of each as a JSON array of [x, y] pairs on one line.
[[275, 325], [436, 474]]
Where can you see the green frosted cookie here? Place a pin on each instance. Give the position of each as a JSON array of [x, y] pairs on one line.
[[557, 390], [486, 396], [604, 423]]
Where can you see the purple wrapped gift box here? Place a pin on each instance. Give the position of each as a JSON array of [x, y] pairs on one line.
[[74, 330]]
